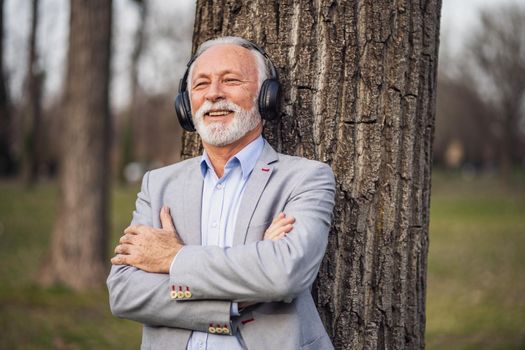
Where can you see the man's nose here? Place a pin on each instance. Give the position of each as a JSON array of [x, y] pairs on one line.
[[215, 92]]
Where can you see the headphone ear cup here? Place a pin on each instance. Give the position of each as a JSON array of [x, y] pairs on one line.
[[269, 99], [183, 110]]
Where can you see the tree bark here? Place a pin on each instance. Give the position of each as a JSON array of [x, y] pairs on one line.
[[7, 161], [359, 83], [78, 256]]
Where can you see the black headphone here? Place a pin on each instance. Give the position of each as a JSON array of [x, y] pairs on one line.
[[268, 100]]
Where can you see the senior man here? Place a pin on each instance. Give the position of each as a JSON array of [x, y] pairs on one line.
[[223, 249]]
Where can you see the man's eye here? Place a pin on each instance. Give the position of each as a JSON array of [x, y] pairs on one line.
[[231, 81], [199, 85]]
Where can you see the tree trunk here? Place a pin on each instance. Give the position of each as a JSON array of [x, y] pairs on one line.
[[7, 163], [141, 127], [359, 82], [33, 105], [78, 256], [134, 117]]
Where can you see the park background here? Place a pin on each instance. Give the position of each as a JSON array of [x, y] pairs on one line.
[[476, 267]]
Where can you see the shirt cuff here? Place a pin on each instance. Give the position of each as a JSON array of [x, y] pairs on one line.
[[234, 309], [175, 258]]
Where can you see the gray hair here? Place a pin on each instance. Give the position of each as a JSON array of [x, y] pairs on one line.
[[262, 66]]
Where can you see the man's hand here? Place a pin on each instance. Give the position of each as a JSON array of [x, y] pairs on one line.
[[280, 226], [148, 248]]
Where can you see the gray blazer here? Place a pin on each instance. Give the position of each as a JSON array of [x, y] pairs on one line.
[[204, 280]]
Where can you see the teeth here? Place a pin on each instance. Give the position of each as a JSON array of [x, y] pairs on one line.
[[218, 113]]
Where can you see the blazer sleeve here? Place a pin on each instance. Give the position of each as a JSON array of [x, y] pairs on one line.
[[267, 270], [146, 297]]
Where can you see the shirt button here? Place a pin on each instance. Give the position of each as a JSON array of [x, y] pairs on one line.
[[214, 224], [220, 186]]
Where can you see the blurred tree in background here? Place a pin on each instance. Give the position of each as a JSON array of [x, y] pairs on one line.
[[32, 105], [150, 53], [7, 166], [462, 135], [78, 252], [497, 57], [126, 152], [150, 112], [481, 104]]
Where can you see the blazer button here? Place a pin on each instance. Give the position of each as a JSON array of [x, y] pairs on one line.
[[174, 294], [180, 294], [187, 294], [218, 330], [225, 330], [211, 330]]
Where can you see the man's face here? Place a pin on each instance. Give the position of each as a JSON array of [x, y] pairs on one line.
[[223, 90]]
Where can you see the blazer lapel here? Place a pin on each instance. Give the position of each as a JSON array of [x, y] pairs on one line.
[[254, 188], [192, 205]]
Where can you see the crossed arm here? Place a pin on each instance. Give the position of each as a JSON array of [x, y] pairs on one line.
[[139, 279], [275, 269], [152, 250]]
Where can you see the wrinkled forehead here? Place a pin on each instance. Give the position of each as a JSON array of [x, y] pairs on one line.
[[224, 58]]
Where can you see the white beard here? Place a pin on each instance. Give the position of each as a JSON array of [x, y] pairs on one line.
[[221, 134]]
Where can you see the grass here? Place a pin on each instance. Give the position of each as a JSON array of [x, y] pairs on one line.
[[476, 265], [476, 271], [32, 317]]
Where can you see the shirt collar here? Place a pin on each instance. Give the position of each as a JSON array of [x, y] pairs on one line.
[[246, 157]]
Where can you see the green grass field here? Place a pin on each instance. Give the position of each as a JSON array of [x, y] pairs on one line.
[[476, 265], [476, 272], [32, 317]]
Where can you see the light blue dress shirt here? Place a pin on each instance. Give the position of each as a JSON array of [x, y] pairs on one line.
[[220, 204]]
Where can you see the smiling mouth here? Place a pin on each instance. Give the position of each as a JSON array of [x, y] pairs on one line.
[[218, 113]]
